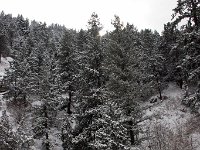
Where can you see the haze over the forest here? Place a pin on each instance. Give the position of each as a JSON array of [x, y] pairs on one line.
[[74, 14]]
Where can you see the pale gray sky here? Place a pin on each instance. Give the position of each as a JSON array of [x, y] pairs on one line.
[[76, 13]]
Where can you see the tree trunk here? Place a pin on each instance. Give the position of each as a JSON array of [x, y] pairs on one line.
[[47, 146], [15, 93], [194, 14], [63, 140], [132, 136], [181, 83], [70, 100], [159, 87], [47, 142], [160, 93]]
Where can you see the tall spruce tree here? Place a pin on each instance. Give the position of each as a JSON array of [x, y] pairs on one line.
[[41, 83], [90, 96], [67, 67], [188, 41], [152, 62], [122, 86]]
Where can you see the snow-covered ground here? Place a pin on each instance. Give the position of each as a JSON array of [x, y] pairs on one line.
[[3, 66], [2, 105], [54, 134], [170, 113]]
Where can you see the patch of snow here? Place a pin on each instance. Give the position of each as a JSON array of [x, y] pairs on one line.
[[195, 137], [36, 103], [173, 91], [2, 105], [37, 144], [4, 65], [169, 113], [65, 96], [55, 139], [9, 59]]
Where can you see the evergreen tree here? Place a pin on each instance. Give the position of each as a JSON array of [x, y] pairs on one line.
[[152, 62], [167, 47], [3, 45], [42, 83], [189, 10], [9, 139], [91, 81], [188, 41], [122, 86], [17, 75], [67, 67]]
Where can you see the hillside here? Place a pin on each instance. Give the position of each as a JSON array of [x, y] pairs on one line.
[[170, 123], [77, 90], [3, 66]]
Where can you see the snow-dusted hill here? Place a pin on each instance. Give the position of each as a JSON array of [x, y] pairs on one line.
[[3, 66], [170, 123], [168, 112], [54, 134]]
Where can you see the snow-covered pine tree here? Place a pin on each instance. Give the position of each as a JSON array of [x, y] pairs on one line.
[[3, 45], [42, 85], [7, 138], [67, 77], [152, 63], [45, 113], [22, 26], [5, 34], [91, 81], [166, 46], [10, 139], [67, 133], [188, 41], [67, 67], [17, 76], [122, 88]]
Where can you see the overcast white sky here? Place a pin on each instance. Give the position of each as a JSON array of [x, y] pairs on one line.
[[76, 13]]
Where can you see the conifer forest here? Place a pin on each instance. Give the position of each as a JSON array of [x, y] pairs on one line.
[[129, 89]]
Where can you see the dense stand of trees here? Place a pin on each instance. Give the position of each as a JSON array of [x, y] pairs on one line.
[[90, 84]]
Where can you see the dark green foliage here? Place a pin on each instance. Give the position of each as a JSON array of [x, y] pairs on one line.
[[68, 67], [187, 43], [90, 83], [94, 85], [3, 45], [153, 63], [123, 86], [9, 139]]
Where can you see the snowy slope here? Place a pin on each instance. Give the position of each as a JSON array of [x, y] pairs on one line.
[[3, 66], [170, 111], [54, 134], [171, 116]]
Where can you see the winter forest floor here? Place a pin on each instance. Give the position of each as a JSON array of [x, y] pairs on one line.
[[3, 66], [169, 123]]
